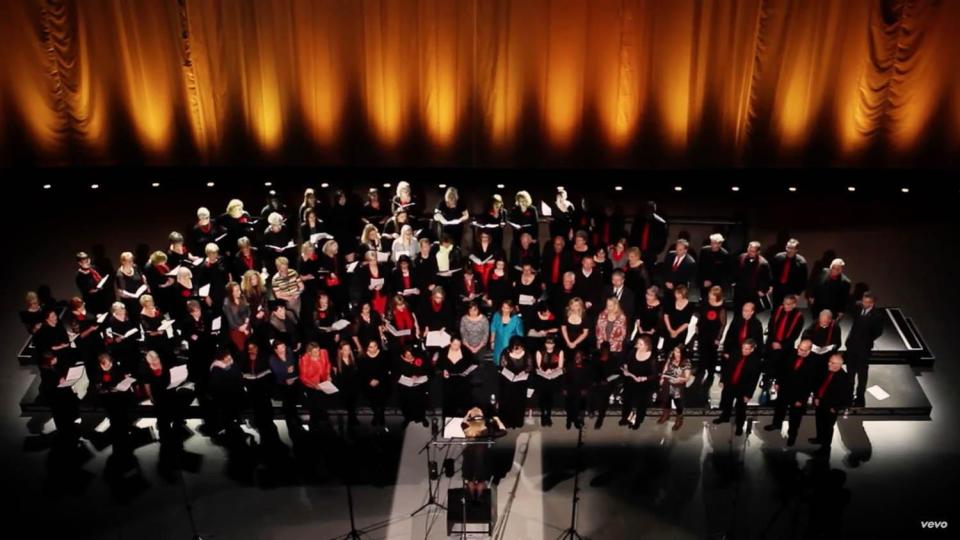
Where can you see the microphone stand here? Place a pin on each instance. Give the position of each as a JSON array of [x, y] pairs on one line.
[[571, 532]]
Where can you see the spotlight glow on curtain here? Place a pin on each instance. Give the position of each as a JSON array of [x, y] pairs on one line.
[[480, 82]]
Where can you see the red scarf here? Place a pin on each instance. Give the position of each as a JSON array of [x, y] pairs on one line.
[[785, 274], [738, 370], [826, 383]]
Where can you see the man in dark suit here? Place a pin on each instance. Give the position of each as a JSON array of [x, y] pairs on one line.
[[831, 394], [649, 234], [831, 291], [744, 326], [789, 272], [793, 387], [867, 327], [680, 268], [739, 380], [714, 267], [618, 289], [751, 278], [784, 329]]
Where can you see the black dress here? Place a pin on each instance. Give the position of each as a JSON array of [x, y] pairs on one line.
[[458, 386], [513, 395]]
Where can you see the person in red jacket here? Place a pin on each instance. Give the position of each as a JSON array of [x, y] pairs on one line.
[[314, 371]]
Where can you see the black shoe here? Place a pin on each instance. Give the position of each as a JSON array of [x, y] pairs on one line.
[[721, 420], [599, 423], [739, 431], [772, 427], [623, 422]]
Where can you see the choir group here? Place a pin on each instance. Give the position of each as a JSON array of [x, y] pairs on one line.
[[338, 304]]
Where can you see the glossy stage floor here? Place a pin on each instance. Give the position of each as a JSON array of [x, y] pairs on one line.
[[883, 478]]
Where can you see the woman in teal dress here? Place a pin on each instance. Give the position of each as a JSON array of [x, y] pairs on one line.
[[504, 325]]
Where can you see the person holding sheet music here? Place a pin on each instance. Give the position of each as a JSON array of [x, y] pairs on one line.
[[528, 290], [236, 222], [676, 319], [212, 277], [711, 320], [456, 365], [116, 399], [162, 392], [403, 327], [286, 382], [227, 394], [826, 336], [451, 214], [505, 325], [277, 239], [315, 376], [492, 221], [403, 281], [549, 376], [745, 326], [373, 369], [310, 226], [673, 382], [53, 337], [640, 379], [347, 379], [370, 283], [86, 327], [403, 199], [516, 363], [412, 373], [160, 279], [751, 278], [122, 336], [741, 371], [499, 285], [155, 326], [403, 245], [334, 271], [258, 382], [58, 392], [523, 217], [287, 285], [204, 232], [129, 282], [245, 259], [91, 284]]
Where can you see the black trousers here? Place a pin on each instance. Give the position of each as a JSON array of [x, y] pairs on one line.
[[733, 402], [546, 389], [795, 418], [413, 402], [858, 365], [826, 420], [636, 396]]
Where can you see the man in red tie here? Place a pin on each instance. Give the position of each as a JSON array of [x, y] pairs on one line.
[[649, 234], [793, 387], [739, 380], [681, 269], [789, 271], [831, 394]]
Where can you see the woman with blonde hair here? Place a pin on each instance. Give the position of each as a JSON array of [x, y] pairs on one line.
[[451, 214], [524, 218]]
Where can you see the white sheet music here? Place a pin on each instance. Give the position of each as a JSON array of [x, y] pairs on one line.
[[178, 375]]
